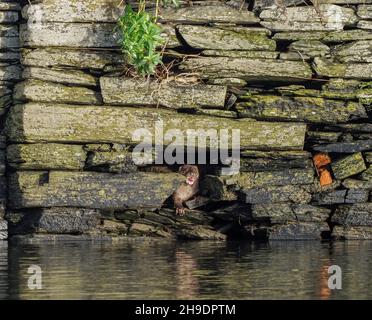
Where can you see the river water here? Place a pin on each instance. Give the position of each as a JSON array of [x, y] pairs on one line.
[[186, 270]]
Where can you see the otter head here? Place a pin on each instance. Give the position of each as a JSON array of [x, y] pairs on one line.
[[190, 172]]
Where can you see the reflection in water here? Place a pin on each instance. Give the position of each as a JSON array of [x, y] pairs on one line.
[[186, 270]]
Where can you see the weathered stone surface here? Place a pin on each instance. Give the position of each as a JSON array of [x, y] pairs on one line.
[[297, 231], [367, 175], [365, 11], [47, 34], [267, 164], [328, 68], [352, 233], [207, 14], [11, 72], [53, 220], [33, 123], [241, 54], [358, 51], [256, 161], [333, 197], [365, 24], [348, 166], [249, 180], [345, 147], [8, 16], [368, 156], [322, 137], [43, 91], [309, 48], [74, 11], [9, 56], [9, 41], [354, 215], [49, 156], [325, 36], [307, 109], [323, 17], [10, 6], [248, 69], [276, 194], [357, 184], [260, 5], [30, 189], [81, 59], [284, 212], [72, 77], [119, 161], [357, 196], [220, 38], [129, 92]]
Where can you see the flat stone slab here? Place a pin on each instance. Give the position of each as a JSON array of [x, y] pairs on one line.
[[309, 109], [54, 220], [128, 92], [11, 72], [43, 91], [64, 57], [74, 11], [9, 16], [353, 215], [38, 122], [284, 177], [50, 34], [348, 166], [352, 233], [248, 69], [323, 17], [298, 231], [258, 161], [341, 197], [208, 14], [51, 156], [328, 68], [284, 212], [365, 11], [324, 36], [357, 51], [71, 77], [34, 189], [275, 194], [241, 54], [365, 24], [345, 147], [224, 38], [10, 6]]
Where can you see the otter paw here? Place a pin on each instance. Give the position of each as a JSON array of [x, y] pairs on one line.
[[180, 211]]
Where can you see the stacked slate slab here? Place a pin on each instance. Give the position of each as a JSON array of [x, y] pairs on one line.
[[10, 74], [295, 79]]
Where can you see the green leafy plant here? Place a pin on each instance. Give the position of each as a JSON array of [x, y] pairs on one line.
[[140, 38]]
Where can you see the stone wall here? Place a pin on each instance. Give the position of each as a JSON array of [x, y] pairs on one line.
[[295, 79], [10, 73]]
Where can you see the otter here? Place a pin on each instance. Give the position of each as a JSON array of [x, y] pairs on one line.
[[188, 189]]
